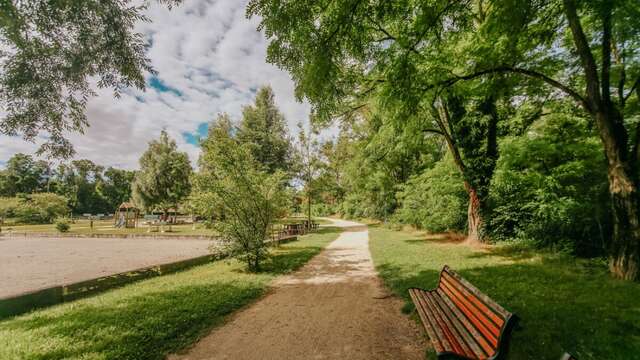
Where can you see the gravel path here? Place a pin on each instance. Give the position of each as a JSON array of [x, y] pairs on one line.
[[28, 264], [335, 307]]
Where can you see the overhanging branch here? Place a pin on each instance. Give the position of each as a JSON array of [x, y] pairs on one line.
[[635, 85], [516, 70]]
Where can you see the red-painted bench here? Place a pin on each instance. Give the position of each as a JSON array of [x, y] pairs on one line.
[[462, 322]]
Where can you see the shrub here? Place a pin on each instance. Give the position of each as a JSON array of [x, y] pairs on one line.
[[434, 200], [40, 208], [62, 225], [322, 209], [355, 206], [8, 206], [550, 187]]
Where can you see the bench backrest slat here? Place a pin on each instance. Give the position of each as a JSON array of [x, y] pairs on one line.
[[481, 316], [480, 344], [489, 339], [487, 300], [488, 319]]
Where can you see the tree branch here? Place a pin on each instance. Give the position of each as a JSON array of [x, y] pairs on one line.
[[635, 85], [388, 36], [619, 57], [346, 21], [584, 51], [606, 53], [351, 111], [510, 69]]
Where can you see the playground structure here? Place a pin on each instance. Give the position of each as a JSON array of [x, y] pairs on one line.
[[126, 216]]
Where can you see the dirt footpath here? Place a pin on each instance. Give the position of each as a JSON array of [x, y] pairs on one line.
[[32, 263], [335, 307]]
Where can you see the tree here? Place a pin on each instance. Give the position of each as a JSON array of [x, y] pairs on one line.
[[308, 163], [51, 50], [206, 204], [263, 129], [357, 55], [115, 186], [246, 198], [87, 177], [78, 181], [164, 176], [409, 53], [335, 154], [25, 175], [599, 37]]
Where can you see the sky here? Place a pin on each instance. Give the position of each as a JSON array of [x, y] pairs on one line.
[[210, 59]]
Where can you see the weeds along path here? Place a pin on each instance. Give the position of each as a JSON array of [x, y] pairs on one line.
[[335, 307]]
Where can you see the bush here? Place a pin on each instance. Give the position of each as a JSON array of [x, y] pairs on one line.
[[62, 225], [8, 207], [550, 187], [434, 200], [322, 209], [355, 206], [40, 208]]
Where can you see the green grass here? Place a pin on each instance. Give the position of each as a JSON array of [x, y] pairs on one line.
[[151, 318], [106, 227], [565, 304]]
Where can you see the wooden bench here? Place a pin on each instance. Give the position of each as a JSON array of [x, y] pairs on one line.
[[294, 229], [462, 322]]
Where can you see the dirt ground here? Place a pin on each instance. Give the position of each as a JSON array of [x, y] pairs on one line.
[[28, 264], [335, 307]]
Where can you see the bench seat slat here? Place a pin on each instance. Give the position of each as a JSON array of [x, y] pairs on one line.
[[472, 349], [482, 346], [429, 324], [442, 331], [490, 333], [452, 334]]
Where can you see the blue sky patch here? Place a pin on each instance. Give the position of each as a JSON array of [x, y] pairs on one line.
[[200, 133], [160, 86]]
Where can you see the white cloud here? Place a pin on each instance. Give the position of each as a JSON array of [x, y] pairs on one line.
[[208, 52]]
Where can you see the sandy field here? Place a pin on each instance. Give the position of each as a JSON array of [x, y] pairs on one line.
[[28, 264]]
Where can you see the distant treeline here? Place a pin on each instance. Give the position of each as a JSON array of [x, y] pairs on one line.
[[87, 187]]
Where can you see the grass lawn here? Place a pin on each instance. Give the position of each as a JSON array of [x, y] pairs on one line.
[[320, 221], [564, 304], [151, 318], [106, 227]]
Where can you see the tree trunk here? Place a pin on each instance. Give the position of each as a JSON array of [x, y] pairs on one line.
[[309, 210], [474, 216], [624, 253], [624, 250]]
